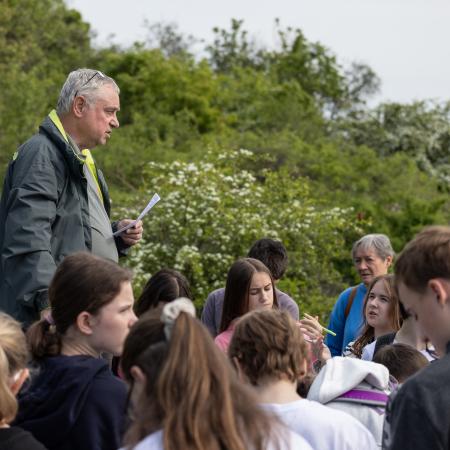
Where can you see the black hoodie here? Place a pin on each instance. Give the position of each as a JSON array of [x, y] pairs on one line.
[[74, 402]]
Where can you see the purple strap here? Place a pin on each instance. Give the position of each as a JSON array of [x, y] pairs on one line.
[[365, 396]]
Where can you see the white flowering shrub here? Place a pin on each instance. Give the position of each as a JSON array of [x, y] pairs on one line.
[[211, 212]]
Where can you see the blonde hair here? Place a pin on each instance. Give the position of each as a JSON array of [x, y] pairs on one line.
[[13, 357]]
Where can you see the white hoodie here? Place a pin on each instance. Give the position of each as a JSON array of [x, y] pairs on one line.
[[341, 375]]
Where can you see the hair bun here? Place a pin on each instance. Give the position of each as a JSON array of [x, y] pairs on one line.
[[172, 310]]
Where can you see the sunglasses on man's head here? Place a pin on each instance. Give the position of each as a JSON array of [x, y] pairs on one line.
[[97, 72]]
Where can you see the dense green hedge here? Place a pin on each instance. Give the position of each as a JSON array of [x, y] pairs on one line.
[[323, 167]]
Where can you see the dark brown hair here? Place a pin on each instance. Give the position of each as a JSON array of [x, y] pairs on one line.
[[82, 282], [269, 344], [191, 391], [402, 360], [426, 257], [239, 279], [165, 286], [367, 336], [272, 254]]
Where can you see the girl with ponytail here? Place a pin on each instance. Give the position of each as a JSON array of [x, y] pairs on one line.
[[13, 373], [75, 402], [185, 394]]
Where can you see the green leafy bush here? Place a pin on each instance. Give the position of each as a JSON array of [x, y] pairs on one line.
[[212, 211]]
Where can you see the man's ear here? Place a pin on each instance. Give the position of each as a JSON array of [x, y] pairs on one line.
[[441, 289], [78, 106], [85, 322]]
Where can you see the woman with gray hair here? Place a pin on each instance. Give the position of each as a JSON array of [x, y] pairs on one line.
[[372, 255]]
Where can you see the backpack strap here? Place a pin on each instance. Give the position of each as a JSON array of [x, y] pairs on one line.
[[351, 297], [364, 396], [386, 339]]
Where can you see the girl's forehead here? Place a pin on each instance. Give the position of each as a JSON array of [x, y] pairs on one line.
[[379, 285], [260, 277]]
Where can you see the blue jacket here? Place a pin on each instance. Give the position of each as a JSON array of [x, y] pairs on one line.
[[74, 402], [346, 330]]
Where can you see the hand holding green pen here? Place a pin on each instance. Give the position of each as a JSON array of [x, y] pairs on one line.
[[307, 316]]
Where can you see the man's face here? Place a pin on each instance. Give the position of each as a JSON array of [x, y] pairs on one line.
[[100, 118], [432, 311]]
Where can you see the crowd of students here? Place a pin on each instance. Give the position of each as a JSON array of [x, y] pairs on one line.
[[101, 371]]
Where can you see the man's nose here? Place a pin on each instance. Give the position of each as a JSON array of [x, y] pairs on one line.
[[115, 122]]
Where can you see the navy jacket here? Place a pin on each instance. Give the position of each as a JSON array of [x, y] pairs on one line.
[[74, 402]]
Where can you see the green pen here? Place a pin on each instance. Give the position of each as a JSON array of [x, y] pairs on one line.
[[323, 328], [329, 331]]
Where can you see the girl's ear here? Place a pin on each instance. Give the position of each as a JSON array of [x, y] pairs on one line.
[[137, 374], [18, 382], [85, 322], [304, 369], [240, 373]]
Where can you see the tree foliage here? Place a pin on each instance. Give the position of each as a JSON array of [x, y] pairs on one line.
[[336, 168], [212, 211], [40, 42]]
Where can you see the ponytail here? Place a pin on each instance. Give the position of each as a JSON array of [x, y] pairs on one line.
[[68, 296], [13, 357], [191, 390], [43, 340]]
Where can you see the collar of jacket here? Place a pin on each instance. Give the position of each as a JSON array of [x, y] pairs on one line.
[[74, 161]]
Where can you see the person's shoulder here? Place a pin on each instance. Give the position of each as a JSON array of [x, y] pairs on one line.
[[338, 423], [216, 295], [368, 350], [286, 439], [429, 383], [106, 382], [345, 294], [288, 303], [153, 441], [284, 298], [15, 438]]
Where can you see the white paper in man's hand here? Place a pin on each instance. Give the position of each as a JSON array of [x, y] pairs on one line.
[[155, 199]]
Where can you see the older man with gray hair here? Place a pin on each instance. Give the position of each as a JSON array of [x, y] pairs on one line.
[[55, 200]]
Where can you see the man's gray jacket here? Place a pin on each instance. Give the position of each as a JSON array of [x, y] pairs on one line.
[[44, 216]]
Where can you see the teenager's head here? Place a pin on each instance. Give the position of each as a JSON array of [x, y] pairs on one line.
[[91, 303], [372, 256], [402, 360], [268, 346], [13, 362], [272, 254], [249, 286], [381, 311], [423, 278], [181, 382], [164, 286]]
